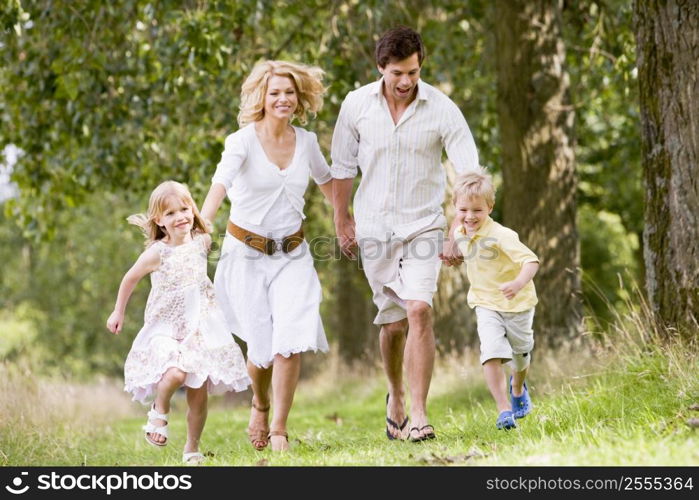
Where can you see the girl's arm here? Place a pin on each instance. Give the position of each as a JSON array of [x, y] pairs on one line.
[[213, 200], [146, 263]]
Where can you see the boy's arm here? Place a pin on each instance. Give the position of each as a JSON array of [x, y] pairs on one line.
[[146, 263], [525, 275]]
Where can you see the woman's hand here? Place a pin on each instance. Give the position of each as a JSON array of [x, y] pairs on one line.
[[345, 230]]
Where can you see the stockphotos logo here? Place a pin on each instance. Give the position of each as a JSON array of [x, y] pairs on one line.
[[103, 482], [17, 488]]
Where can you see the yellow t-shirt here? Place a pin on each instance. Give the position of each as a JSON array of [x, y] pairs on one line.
[[493, 256]]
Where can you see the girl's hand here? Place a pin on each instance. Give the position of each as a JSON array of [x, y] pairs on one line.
[[115, 322]]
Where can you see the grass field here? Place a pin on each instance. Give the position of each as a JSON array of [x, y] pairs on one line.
[[603, 406]]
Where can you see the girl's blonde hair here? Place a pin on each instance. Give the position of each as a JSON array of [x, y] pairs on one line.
[[156, 208], [473, 184], [307, 80]]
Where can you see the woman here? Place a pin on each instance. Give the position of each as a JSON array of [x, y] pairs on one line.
[[265, 280]]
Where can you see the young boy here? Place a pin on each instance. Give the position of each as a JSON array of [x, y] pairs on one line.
[[500, 269]]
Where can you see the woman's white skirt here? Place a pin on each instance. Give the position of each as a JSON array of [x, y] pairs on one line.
[[272, 302]]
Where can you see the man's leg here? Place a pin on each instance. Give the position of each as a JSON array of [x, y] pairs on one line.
[[392, 344], [419, 363]]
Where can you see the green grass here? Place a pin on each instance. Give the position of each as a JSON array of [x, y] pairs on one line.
[[606, 408]]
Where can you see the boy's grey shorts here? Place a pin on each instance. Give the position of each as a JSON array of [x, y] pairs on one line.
[[506, 335]]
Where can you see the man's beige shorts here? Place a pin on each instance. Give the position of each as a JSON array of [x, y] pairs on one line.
[[506, 335], [401, 270]]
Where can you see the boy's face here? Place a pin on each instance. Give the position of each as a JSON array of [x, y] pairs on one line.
[[472, 212]]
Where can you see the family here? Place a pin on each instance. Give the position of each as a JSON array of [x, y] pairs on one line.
[[266, 290]]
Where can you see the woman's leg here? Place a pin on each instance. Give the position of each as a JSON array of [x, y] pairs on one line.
[[258, 427], [196, 416], [285, 377], [171, 380]]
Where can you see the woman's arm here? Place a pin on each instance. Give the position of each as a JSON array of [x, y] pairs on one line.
[[213, 200], [146, 263], [327, 190]]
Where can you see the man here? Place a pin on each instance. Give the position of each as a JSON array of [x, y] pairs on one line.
[[394, 130]]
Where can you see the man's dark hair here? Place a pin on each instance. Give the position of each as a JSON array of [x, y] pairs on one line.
[[397, 44]]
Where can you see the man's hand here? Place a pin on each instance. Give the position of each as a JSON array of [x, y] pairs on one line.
[[451, 256], [510, 289], [344, 228]]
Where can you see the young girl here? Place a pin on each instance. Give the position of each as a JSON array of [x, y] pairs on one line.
[[185, 340]]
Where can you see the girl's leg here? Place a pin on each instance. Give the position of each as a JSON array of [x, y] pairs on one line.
[[196, 416], [284, 379], [171, 380], [258, 427], [495, 380]]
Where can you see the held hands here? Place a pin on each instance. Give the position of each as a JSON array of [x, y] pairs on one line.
[[510, 289], [345, 230], [451, 256], [115, 322]]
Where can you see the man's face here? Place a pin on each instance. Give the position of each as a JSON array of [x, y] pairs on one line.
[[400, 78]]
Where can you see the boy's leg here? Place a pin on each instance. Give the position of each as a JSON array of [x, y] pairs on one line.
[[521, 337], [495, 380], [196, 417], [518, 378]]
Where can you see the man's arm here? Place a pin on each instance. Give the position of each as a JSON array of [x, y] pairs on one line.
[[344, 222], [451, 256]]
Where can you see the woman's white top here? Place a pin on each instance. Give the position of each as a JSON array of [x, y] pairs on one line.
[[265, 199]]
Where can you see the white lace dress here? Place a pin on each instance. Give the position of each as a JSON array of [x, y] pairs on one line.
[[184, 328]]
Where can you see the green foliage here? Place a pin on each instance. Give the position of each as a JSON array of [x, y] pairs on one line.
[[107, 99]]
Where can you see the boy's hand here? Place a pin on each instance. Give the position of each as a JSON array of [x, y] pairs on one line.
[[510, 289], [451, 256], [115, 322]]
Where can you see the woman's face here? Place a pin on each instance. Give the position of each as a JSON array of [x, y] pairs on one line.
[[281, 99]]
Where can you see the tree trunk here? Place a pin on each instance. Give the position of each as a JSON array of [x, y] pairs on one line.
[[667, 35], [539, 182]]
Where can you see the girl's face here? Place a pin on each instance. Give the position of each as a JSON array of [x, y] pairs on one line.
[[472, 212], [177, 218], [281, 99]]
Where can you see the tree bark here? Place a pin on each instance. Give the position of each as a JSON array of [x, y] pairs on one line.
[[667, 36], [539, 181]]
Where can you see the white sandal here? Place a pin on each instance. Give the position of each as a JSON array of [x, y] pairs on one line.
[[192, 458], [151, 428]]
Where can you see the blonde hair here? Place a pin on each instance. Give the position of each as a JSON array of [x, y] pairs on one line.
[[474, 184], [157, 206], [307, 80]]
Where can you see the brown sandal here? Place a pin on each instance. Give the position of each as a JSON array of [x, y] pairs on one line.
[[279, 433], [259, 438]]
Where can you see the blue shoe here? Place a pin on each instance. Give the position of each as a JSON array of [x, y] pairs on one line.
[[506, 420], [521, 405]]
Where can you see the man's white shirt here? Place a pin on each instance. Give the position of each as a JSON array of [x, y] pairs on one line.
[[403, 181]]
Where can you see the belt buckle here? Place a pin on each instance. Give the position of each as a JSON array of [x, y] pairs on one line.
[[272, 246]]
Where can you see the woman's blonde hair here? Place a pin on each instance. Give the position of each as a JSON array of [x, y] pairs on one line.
[[157, 206], [307, 80], [473, 184]]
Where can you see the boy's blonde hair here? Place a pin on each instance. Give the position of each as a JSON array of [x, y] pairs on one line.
[[474, 184], [156, 208], [307, 80]]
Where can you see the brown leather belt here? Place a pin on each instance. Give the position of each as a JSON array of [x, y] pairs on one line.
[[266, 245]]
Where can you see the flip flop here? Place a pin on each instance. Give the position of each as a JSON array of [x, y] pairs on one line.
[[425, 437], [391, 423]]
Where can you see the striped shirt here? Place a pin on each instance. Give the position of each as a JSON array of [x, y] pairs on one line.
[[403, 181]]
